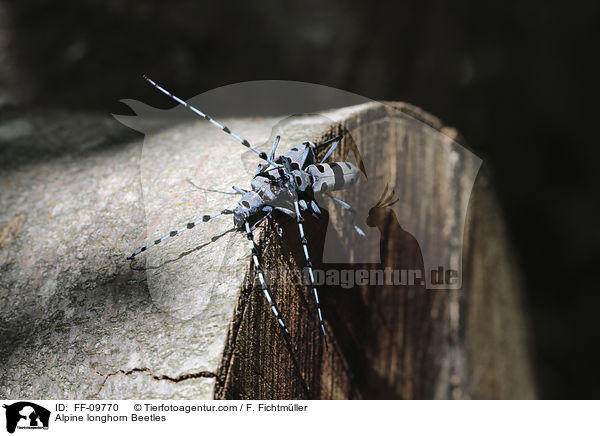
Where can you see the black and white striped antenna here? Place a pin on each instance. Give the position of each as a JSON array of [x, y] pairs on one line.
[[242, 141]]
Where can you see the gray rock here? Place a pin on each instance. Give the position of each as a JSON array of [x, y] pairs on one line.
[[80, 193]]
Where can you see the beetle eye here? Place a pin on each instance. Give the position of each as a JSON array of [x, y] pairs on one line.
[[245, 204]]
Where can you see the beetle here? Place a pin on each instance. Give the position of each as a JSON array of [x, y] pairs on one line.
[[286, 184]]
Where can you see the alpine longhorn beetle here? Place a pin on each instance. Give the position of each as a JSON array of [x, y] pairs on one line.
[[286, 184]]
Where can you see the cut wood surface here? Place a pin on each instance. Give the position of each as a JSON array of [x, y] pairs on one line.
[[185, 319]]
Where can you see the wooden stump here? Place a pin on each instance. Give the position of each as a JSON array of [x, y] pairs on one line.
[[392, 341]]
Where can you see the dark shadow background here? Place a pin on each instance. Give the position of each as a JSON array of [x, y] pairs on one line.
[[517, 78]]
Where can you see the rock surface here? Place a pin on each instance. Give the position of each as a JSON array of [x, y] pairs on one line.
[[81, 192]]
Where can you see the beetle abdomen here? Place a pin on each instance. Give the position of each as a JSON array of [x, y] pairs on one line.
[[332, 176]]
